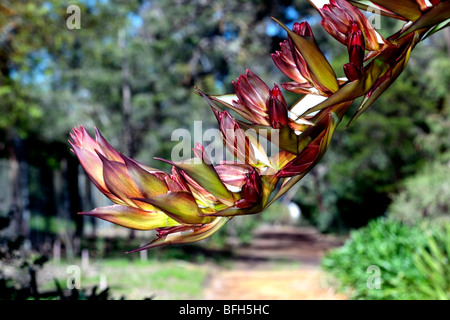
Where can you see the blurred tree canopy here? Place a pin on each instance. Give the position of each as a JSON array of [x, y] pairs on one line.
[[131, 67]]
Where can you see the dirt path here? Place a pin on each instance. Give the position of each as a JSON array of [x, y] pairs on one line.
[[281, 263]]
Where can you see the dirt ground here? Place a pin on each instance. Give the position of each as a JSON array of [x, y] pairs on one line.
[[281, 263]]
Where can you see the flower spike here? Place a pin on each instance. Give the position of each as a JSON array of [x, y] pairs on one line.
[[198, 197]]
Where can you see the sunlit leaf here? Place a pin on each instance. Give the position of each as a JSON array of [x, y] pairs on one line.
[[405, 8], [180, 206], [206, 176], [368, 6], [132, 218], [437, 14], [187, 236]]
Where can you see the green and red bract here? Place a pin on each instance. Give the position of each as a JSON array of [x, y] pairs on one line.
[[198, 197]]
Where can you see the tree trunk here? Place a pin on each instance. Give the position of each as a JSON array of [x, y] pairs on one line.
[[317, 186], [88, 203], [126, 99], [18, 177], [126, 104], [74, 195], [446, 32]]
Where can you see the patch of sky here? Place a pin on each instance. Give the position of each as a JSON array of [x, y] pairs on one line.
[[230, 32], [136, 22], [38, 74], [291, 13], [292, 16]]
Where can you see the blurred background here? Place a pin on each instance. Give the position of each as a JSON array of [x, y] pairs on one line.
[[380, 197]]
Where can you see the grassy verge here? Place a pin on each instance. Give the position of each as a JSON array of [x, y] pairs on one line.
[[134, 279]]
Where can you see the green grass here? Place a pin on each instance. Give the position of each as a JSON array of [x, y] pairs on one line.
[[135, 279]]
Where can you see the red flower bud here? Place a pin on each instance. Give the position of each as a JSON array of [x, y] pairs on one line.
[[253, 95], [251, 190], [338, 19], [278, 112], [354, 69], [302, 29]]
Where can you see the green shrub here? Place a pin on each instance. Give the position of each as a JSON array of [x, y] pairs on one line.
[[390, 247], [433, 263], [425, 195]]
